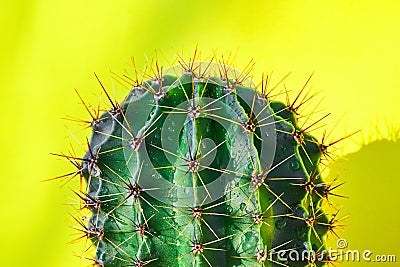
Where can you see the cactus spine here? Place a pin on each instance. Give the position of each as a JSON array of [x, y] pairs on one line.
[[198, 167]]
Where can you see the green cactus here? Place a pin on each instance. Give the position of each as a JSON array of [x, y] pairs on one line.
[[198, 167]]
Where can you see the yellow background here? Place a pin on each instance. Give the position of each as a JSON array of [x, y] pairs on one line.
[[48, 48]]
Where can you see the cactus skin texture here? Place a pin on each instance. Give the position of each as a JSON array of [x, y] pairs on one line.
[[197, 167]]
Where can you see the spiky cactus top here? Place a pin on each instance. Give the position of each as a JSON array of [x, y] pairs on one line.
[[196, 167]]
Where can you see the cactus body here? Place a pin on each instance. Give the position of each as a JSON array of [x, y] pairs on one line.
[[198, 168]]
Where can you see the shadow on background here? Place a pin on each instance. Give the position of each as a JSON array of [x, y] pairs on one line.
[[372, 177]]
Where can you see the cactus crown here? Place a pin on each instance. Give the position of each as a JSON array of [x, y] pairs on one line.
[[197, 166]]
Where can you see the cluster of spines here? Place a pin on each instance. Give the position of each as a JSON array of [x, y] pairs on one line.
[[108, 206]]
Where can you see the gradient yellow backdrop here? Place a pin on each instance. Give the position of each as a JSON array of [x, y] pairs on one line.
[[48, 48]]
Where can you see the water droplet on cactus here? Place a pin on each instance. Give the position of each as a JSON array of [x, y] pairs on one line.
[[105, 190], [307, 245], [229, 209], [280, 223], [249, 241], [294, 165], [242, 206], [282, 148], [301, 232]]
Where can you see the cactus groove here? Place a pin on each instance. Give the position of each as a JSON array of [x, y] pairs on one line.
[[198, 167]]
